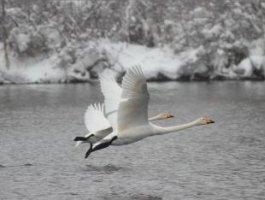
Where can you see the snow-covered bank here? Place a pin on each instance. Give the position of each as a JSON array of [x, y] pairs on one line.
[[37, 70], [84, 63], [59, 41]]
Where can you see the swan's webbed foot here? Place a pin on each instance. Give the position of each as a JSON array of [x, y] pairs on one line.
[[80, 138], [89, 150]]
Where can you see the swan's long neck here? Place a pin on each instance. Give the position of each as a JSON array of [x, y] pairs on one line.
[[164, 130]]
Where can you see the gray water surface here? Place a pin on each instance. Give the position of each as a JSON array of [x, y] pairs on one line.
[[225, 160]]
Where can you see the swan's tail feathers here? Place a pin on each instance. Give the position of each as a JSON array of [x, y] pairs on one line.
[[89, 150]]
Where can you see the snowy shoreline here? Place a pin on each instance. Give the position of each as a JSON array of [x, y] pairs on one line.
[[66, 42], [93, 58], [96, 81]]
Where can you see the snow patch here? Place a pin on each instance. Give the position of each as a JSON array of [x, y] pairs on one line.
[[154, 61], [77, 63], [35, 70]]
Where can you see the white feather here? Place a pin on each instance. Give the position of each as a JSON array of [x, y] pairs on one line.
[[112, 96], [127, 111], [134, 111], [95, 119]]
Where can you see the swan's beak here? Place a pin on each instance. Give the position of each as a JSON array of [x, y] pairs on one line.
[[210, 122]]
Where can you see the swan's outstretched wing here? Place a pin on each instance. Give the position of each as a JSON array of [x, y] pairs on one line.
[[112, 94], [95, 119], [133, 107], [96, 123]]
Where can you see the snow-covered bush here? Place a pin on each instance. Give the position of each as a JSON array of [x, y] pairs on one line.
[[81, 61], [27, 41]]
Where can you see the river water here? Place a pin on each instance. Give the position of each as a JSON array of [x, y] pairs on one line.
[[225, 160]]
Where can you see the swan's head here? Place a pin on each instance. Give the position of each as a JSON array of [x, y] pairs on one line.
[[165, 115], [204, 121], [161, 116]]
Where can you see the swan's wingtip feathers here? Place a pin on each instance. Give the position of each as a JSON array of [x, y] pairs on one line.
[[134, 89], [106, 77], [94, 107], [134, 82], [136, 69], [112, 94], [94, 117]]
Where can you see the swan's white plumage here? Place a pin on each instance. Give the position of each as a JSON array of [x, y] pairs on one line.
[[133, 110], [95, 119], [95, 116], [127, 111], [112, 95]]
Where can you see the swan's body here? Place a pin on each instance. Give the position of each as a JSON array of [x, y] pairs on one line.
[[138, 133], [127, 112], [99, 127]]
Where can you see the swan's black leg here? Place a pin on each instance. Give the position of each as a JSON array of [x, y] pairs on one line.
[[89, 150], [100, 146], [80, 138], [104, 144]]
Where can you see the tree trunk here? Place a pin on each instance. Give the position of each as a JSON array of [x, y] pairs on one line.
[[4, 31]]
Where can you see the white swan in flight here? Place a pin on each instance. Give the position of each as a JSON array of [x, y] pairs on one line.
[[131, 124], [99, 127]]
